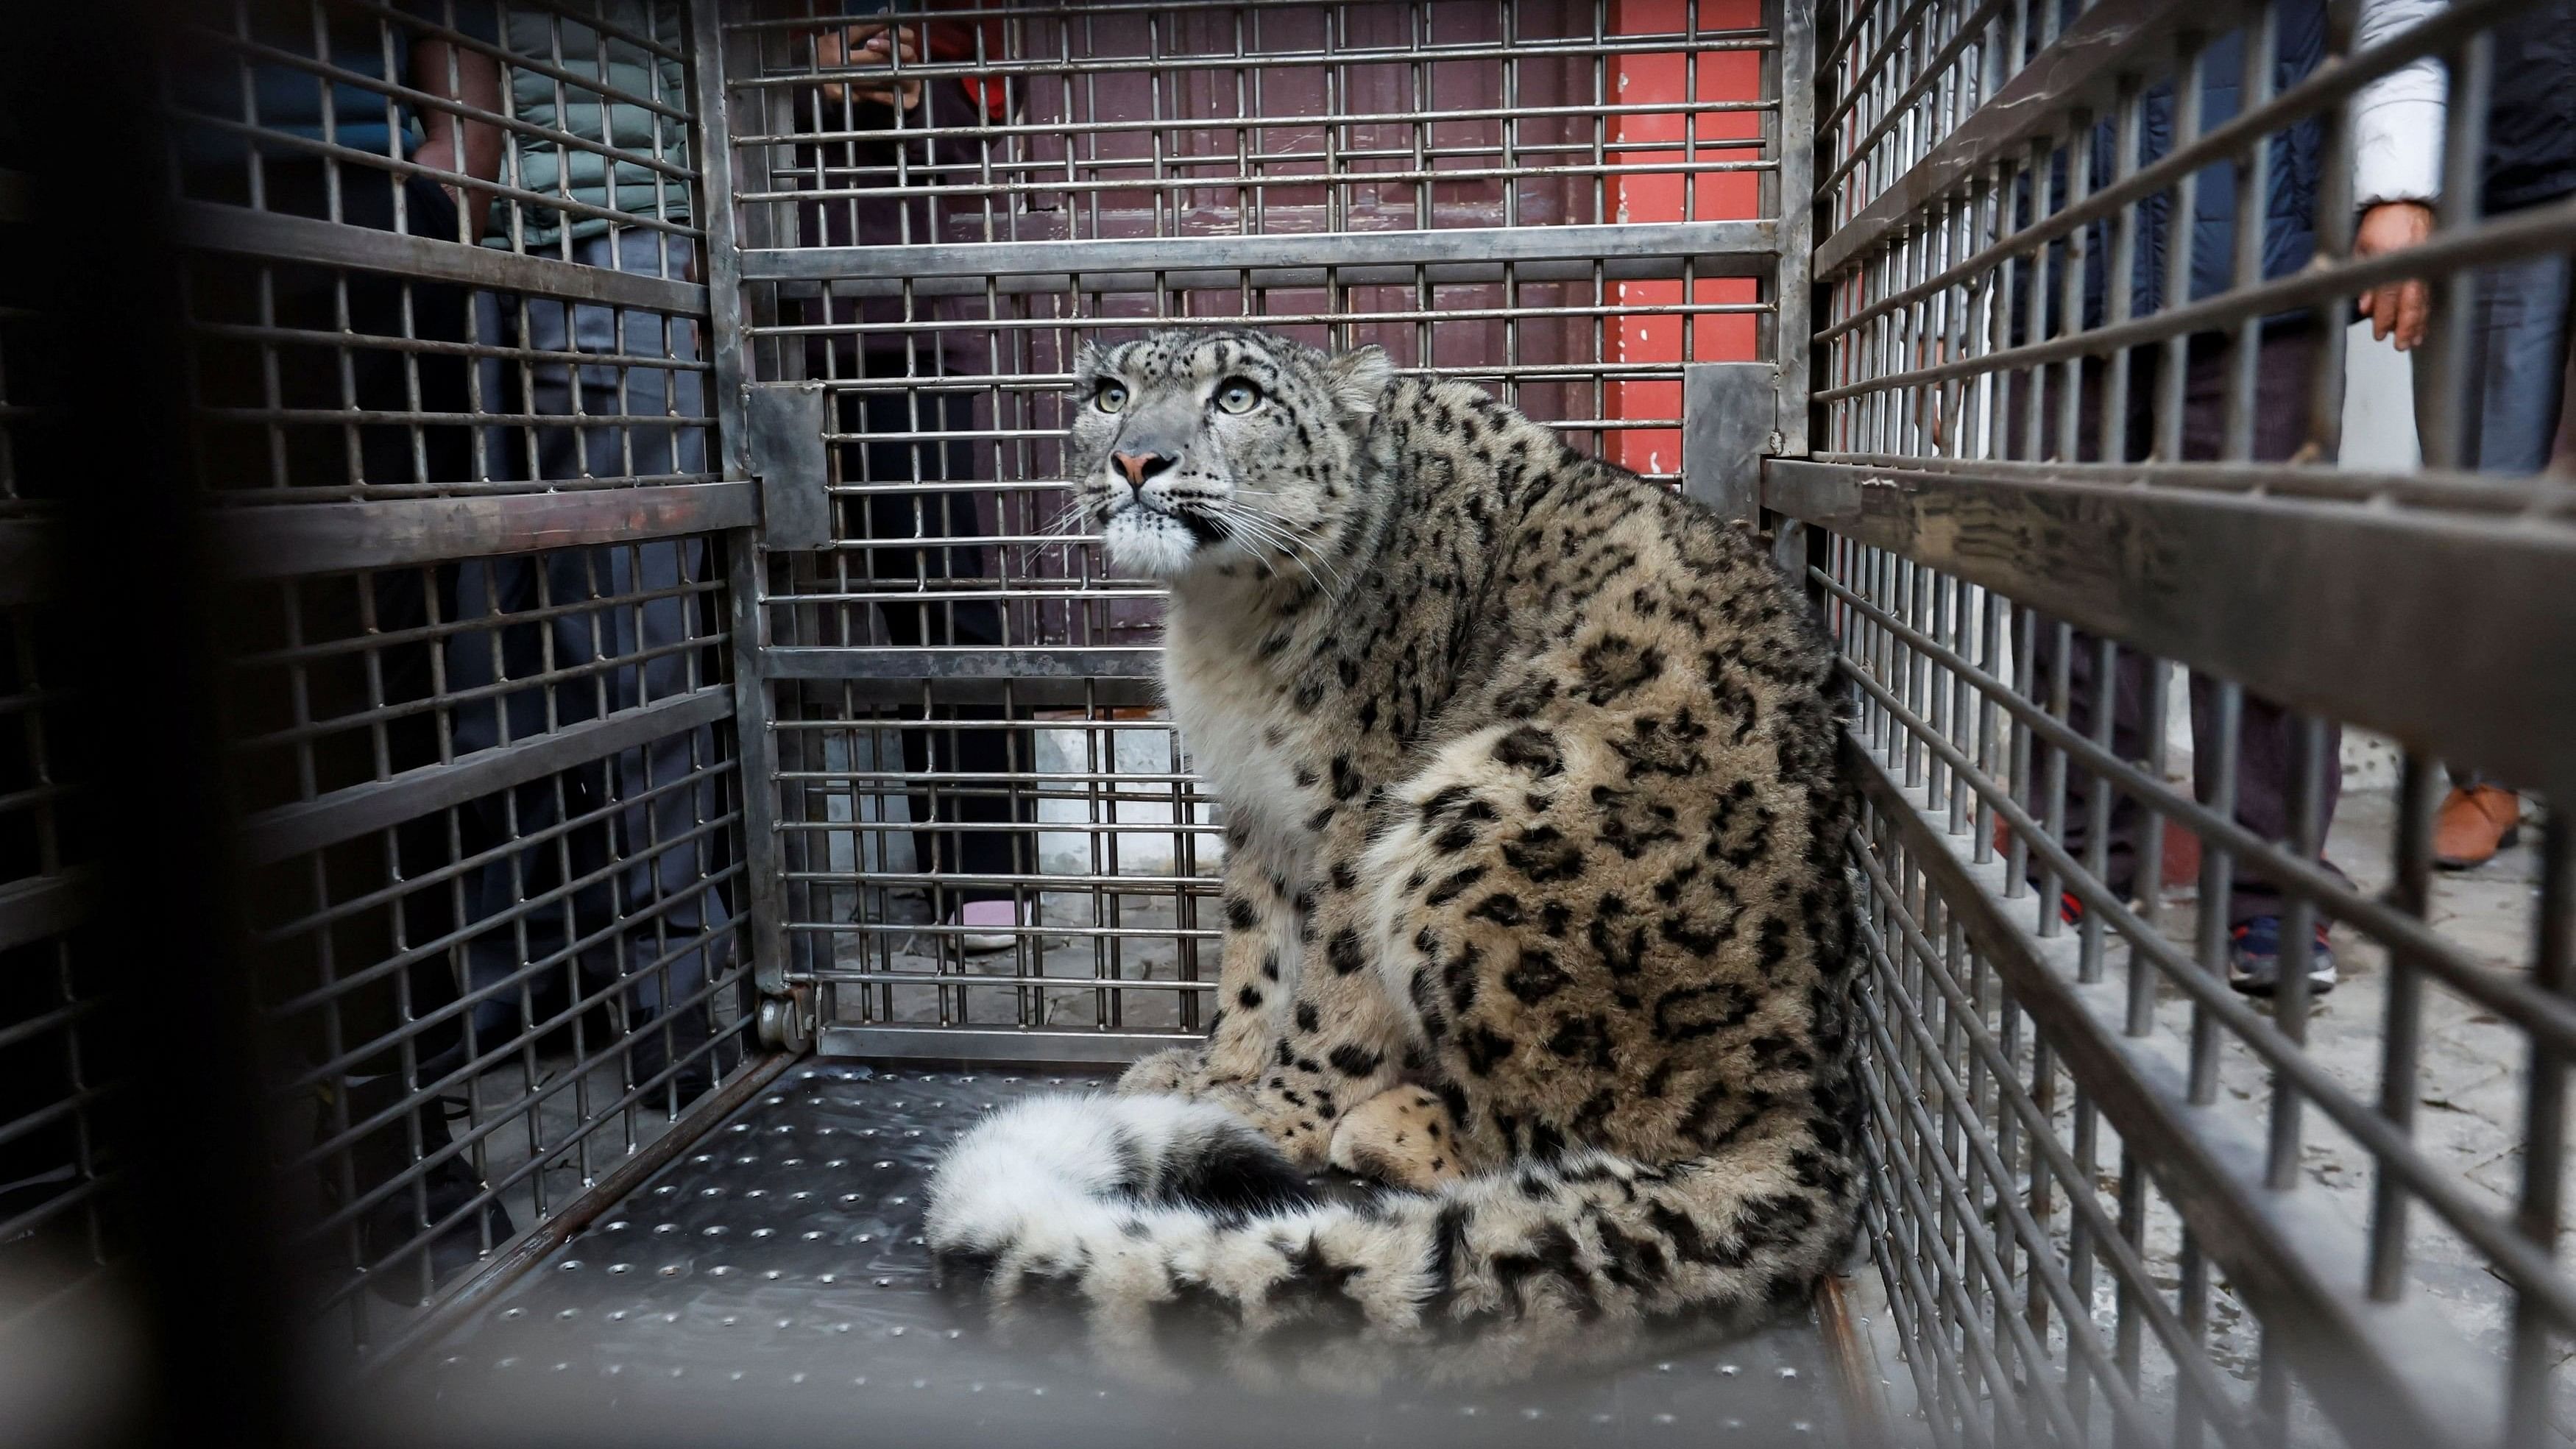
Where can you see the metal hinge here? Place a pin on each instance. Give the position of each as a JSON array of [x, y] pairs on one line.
[[1730, 418], [783, 426]]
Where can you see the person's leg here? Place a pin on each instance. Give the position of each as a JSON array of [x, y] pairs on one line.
[[410, 1251], [2081, 653], [511, 990], [490, 650], [2521, 341], [2270, 750], [2270, 741], [390, 381], [2425, 397], [885, 458], [2515, 393], [677, 940], [2562, 450], [912, 517], [985, 798], [648, 914], [387, 381], [988, 757], [408, 600]]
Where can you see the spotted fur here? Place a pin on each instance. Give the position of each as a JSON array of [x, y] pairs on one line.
[[1535, 821]]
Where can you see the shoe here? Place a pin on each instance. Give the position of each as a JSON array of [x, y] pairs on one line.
[[2254, 959], [654, 1040], [645, 1061], [387, 1232], [2474, 823], [988, 926]]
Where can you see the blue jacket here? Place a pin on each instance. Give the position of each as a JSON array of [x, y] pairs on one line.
[[290, 100], [2531, 121], [2290, 195]]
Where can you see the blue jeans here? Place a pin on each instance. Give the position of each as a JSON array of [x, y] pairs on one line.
[[622, 899], [2516, 378], [2516, 365]]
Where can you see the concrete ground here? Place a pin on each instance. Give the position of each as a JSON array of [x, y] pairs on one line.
[[1111, 937], [2469, 1113], [2469, 1093]]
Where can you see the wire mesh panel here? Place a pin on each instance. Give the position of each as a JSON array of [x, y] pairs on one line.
[[61, 1066], [1563, 203], [317, 147], [2206, 1109], [495, 850], [453, 414]]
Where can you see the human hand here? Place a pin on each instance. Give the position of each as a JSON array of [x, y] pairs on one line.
[[439, 154], [2400, 308], [857, 45]]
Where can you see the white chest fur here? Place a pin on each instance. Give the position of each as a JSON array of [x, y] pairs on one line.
[[1229, 713]]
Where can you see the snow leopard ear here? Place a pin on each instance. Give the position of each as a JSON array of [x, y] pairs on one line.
[[1359, 379], [1088, 358]]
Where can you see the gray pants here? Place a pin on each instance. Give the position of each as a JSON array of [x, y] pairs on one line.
[[2516, 378], [619, 885], [2516, 366]]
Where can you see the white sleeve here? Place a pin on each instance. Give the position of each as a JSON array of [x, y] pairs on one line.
[[2397, 119]]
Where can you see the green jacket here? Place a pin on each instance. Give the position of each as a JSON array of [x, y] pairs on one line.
[[543, 165]]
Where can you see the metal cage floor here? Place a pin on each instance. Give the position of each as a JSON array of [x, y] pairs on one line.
[[776, 1269]]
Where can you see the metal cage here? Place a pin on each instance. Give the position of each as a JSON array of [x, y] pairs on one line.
[[1568, 203], [623, 623], [2114, 1199]]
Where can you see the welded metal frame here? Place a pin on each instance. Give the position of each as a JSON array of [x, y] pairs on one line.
[[369, 815], [283, 539], [784, 1022], [1025, 254], [2048, 1137], [55, 1008], [1955, 518]]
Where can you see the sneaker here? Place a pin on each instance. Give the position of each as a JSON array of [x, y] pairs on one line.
[[390, 1233], [655, 1041], [988, 926], [2254, 959], [2473, 824]]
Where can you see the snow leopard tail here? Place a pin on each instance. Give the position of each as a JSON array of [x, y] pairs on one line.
[[1154, 1213]]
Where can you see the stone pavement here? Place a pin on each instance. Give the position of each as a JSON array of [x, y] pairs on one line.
[[2470, 1106], [2469, 1095]]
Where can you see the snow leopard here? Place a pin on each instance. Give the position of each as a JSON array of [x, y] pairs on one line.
[[1535, 898]]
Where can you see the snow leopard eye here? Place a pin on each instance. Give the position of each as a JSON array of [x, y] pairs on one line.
[[1238, 396], [1110, 398]]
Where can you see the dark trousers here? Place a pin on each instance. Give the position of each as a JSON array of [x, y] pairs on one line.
[[253, 457], [2268, 738], [372, 379], [340, 349], [621, 887], [922, 510]]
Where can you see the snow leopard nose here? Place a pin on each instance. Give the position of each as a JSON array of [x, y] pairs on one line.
[[1140, 466]]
